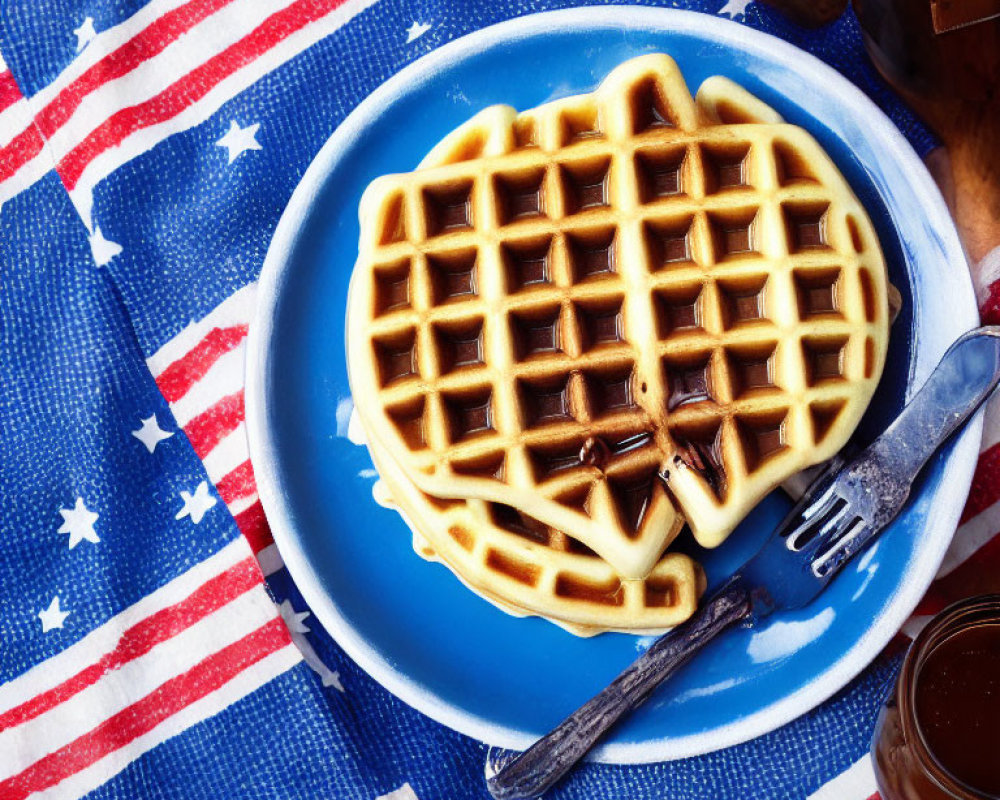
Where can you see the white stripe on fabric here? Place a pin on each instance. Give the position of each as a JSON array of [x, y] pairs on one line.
[[270, 560], [251, 679], [228, 454], [223, 378], [14, 119], [857, 782], [241, 504], [106, 41], [96, 644], [28, 175], [912, 627], [117, 689], [969, 537], [149, 78], [237, 309], [145, 139]]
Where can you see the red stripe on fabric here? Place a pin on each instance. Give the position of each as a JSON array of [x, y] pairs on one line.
[[210, 427], [143, 636], [178, 378], [10, 92], [144, 715], [985, 489], [875, 796], [976, 575], [19, 150], [238, 483], [929, 605], [989, 311], [148, 42], [192, 87], [253, 524]]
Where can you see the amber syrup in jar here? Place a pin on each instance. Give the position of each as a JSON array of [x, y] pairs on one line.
[[938, 737]]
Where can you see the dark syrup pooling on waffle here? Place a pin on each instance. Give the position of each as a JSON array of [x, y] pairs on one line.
[[706, 459], [820, 299], [756, 374], [534, 270], [675, 248], [468, 351], [684, 315], [537, 334], [826, 365], [459, 346], [769, 441], [447, 209], [731, 175], [552, 405], [688, 385], [585, 185], [748, 306], [545, 403], [737, 240], [395, 293], [594, 453], [601, 326], [665, 181]]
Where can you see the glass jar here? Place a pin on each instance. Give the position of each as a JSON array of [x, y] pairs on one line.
[[960, 62], [938, 736]]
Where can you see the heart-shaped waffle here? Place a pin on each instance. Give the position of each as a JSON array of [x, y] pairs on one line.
[[562, 305]]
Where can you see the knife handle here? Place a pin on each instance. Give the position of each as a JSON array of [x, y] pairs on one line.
[[961, 382], [539, 767]]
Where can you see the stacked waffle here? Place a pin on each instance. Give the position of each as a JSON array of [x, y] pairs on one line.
[[575, 329]]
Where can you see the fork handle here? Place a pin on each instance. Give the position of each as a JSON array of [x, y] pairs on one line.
[[547, 760]]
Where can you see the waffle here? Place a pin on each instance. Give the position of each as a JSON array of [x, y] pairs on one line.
[[560, 305], [528, 568]]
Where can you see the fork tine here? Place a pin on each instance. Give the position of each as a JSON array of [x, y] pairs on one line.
[[840, 548], [835, 521], [813, 519]]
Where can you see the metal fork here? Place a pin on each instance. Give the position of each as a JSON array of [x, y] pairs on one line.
[[848, 504]]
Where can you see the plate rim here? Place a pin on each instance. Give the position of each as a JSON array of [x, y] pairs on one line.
[[945, 508]]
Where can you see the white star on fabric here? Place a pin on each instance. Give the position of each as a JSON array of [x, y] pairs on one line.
[[416, 30], [103, 249], [151, 434], [85, 33], [195, 505], [53, 616], [295, 620], [404, 792], [238, 140], [78, 522], [734, 7]]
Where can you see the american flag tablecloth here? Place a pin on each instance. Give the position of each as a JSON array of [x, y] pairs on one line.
[[151, 642]]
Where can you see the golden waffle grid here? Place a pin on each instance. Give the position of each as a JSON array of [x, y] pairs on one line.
[[666, 264]]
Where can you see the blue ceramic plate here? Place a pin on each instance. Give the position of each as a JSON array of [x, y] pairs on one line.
[[411, 624]]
